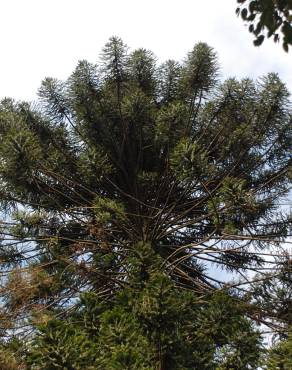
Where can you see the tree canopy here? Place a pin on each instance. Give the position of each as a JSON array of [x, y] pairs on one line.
[[122, 189], [268, 18]]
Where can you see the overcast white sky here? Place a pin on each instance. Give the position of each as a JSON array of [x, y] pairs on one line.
[[42, 38]]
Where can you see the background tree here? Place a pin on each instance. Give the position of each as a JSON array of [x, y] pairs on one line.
[[280, 355], [268, 18], [275, 294], [126, 157]]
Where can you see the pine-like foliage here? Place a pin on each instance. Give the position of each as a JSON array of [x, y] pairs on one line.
[[125, 154], [280, 355], [149, 325]]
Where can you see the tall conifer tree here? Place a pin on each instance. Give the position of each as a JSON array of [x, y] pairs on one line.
[[128, 181]]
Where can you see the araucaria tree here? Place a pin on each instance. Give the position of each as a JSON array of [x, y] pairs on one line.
[[121, 190]]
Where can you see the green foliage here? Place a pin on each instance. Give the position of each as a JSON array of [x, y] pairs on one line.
[[274, 295], [60, 346], [280, 355], [127, 181], [268, 18], [12, 355], [150, 325]]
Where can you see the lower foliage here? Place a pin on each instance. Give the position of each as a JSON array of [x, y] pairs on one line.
[[149, 325]]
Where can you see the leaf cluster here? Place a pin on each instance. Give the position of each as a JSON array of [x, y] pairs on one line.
[[268, 18]]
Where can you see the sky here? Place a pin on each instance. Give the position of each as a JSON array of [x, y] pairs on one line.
[[46, 38]]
